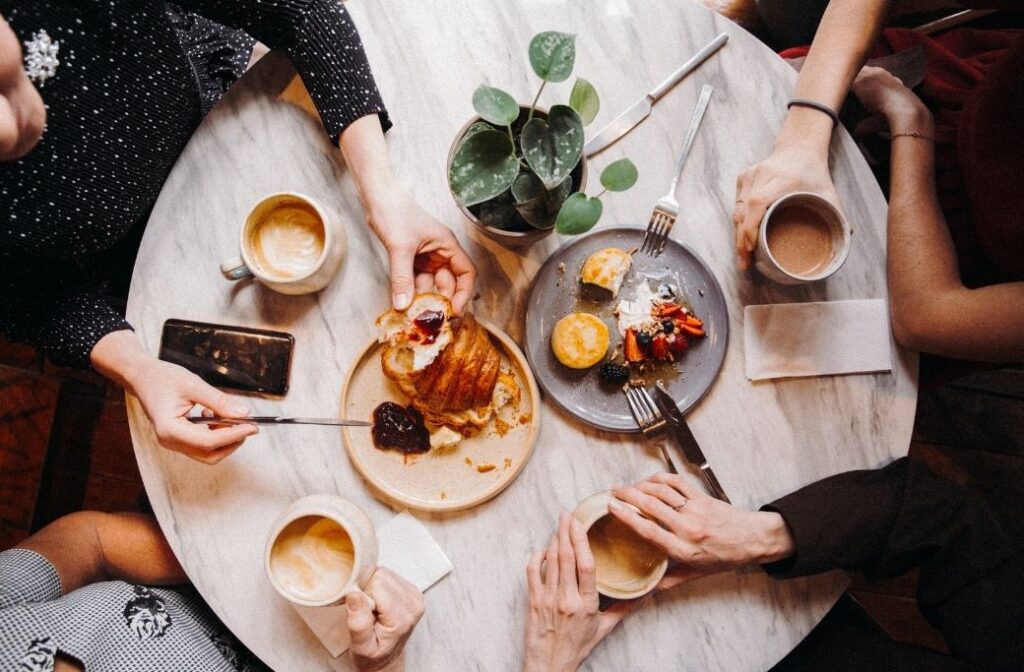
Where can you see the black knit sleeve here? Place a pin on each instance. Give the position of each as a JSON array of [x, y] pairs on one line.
[[54, 309], [886, 521], [322, 42]]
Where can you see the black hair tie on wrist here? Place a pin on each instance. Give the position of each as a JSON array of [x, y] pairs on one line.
[[814, 105]]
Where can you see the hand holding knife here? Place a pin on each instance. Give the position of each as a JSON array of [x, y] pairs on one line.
[[680, 431], [275, 420]]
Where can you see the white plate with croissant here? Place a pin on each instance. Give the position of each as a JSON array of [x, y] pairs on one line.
[[456, 409]]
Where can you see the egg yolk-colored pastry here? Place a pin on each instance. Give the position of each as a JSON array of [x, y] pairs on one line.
[[607, 268], [579, 340]]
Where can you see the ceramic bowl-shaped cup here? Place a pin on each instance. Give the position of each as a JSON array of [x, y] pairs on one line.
[[321, 548], [627, 565]]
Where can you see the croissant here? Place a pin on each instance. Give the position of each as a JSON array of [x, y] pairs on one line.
[[461, 383]]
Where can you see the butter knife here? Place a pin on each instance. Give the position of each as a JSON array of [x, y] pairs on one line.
[[277, 420], [626, 121], [680, 431]]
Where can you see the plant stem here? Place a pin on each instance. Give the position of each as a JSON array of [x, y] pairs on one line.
[[535, 99], [603, 192], [510, 136]]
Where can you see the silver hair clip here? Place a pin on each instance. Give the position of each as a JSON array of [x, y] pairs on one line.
[[41, 57]]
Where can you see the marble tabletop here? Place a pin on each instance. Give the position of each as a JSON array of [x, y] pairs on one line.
[[764, 439]]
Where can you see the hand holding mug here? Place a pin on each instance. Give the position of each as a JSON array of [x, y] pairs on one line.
[[705, 535], [379, 637], [564, 624]]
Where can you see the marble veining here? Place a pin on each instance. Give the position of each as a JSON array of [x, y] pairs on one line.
[[765, 439]]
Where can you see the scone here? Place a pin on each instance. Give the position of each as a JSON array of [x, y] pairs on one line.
[[579, 340], [607, 268]]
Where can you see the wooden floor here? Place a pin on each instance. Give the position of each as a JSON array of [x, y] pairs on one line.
[[65, 446]]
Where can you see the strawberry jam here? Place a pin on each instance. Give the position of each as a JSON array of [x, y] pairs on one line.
[[400, 428], [428, 325]]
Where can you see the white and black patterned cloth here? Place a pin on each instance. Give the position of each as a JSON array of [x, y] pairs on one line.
[[111, 626], [133, 82]]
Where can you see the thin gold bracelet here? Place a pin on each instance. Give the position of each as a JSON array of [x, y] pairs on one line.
[[911, 134]]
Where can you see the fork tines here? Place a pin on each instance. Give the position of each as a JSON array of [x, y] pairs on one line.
[[645, 411], [657, 232]]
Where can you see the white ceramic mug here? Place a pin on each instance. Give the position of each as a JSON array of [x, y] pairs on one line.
[[589, 512], [355, 524], [309, 279], [840, 230]]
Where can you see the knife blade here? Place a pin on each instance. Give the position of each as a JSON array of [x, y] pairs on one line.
[[684, 437], [626, 121], [277, 420]]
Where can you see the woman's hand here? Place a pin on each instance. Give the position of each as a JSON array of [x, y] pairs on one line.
[[894, 107], [168, 393], [379, 637], [564, 624], [424, 253], [705, 535]]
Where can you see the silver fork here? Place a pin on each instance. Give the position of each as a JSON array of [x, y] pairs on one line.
[[667, 210], [649, 418]]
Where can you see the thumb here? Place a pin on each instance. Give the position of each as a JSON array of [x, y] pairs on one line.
[[614, 614], [220, 403], [360, 619], [402, 259]]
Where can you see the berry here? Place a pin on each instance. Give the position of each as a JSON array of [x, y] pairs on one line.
[[613, 374], [643, 339], [668, 326]]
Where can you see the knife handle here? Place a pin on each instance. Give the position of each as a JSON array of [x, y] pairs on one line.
[[712, 481], [688, 67]]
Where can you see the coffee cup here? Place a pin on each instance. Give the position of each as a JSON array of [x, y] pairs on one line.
[[321, 548], [627, 565], [290, 243], [803, 238]]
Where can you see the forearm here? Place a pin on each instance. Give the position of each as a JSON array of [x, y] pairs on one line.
[[119, 357], [87, 547], [841, 44], [366, 155]]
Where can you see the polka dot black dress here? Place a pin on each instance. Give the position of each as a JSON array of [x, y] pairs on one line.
[[132, 82]]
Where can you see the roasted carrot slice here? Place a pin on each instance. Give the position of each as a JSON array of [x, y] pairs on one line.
[[694, 321], [690, 330], [632, 349]]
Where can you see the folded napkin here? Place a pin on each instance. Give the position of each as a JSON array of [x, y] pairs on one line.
[[789, 340], [407, 549]]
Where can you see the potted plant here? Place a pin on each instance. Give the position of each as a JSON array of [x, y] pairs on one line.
[[517, 171]]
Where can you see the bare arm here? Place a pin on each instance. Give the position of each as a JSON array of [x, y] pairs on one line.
[[932, 310], [88, 546], [799, 161]]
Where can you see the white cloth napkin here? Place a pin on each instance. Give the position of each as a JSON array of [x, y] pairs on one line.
[[789, 340], [405, 548]]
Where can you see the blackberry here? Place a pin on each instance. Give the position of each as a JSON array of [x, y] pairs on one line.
[[613, 374]]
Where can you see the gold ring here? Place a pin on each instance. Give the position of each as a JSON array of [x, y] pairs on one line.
[[676, 508]]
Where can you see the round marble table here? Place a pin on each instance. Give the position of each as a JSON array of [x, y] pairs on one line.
[[764, 439]]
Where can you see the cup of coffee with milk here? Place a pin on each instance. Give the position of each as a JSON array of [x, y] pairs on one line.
[[627, 565], [321, 548], [290, 243], [803, 238]]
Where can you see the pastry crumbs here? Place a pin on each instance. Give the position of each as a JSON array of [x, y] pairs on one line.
[[501, 427], [484, 468]]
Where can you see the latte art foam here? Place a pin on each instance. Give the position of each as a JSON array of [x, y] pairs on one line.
[[288, 241], [313, 558]]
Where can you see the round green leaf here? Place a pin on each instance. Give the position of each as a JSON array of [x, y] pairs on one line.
[[537, 205], [619, 176], [495, 106], [552, 55], [584, 100], [552, 148], [484, 165], [579, 214]]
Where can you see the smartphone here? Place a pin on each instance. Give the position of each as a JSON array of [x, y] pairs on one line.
[[237, 358]]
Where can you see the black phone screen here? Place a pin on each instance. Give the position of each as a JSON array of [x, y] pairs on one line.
[[238, 358]]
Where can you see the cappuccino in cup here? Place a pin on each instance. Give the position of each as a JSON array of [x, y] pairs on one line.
[[290, 243], [321, 548], [627, 565], [803, 238]]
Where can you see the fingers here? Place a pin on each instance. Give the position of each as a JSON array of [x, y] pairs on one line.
[[444, 281], [677, 576], [551, 563], [677, 483], [672, 499], [586, 569], [403, 285], [193, 440], [359, 620], [533, 579], [424, 282], [647, 529], [651, 506], [746, 233], [465, 277], [201, 392], [399, 603], [567, 586]]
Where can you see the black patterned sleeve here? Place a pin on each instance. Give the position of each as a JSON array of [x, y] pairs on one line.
[[55, 308], [322, 42], [26, 577]]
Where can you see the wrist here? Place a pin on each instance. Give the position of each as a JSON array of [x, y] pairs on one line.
[[806, 130], [775, 540], [914, 118], [119, 356]]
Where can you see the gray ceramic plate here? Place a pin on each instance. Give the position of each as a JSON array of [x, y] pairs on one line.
[[557, 291]]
